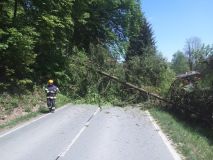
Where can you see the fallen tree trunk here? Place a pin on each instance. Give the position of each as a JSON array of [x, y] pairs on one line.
[[128, 84], [133, 86]]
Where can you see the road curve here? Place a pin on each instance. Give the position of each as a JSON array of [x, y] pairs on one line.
[[82, 132]]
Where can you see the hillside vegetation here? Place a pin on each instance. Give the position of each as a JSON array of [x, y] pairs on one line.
[[60, 39], [68, 40]]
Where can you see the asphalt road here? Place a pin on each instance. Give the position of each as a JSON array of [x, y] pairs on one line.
[[84, 132]]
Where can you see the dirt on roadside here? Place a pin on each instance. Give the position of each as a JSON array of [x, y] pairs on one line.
[[16, 113]]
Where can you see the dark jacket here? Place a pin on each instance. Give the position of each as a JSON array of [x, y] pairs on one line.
[[51, 91]]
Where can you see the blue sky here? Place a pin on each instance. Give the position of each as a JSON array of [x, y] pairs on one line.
[[174, 21]]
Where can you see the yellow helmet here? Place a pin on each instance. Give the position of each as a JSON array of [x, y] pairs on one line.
[[50, 81]]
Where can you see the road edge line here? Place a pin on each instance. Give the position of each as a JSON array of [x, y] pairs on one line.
[[32, 121], [168, 143]]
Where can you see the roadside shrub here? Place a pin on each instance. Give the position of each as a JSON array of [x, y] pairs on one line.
[[196, 103]]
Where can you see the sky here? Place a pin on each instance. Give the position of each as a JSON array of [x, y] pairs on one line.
[[174, 21]]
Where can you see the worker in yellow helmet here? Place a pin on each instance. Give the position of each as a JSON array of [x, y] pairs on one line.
[[51, 91]]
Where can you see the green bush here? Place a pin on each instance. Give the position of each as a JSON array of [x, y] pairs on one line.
[[196, 102], [43, 109], [8, 103], [61, 100], [27, 109]]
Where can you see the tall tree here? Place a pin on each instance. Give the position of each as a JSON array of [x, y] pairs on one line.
[[142, 44], [17, 42], [141, 57], [179, 63], [39, 38], [192, 46]]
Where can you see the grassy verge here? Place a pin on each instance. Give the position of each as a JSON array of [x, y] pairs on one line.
[[19, 120], [193, 141], [61, 100]]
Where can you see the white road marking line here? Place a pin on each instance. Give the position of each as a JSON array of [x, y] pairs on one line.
[[73, 141], [28, 123], [77, 136], [175, 155]]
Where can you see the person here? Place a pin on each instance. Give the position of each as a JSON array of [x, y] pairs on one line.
[[51, 92]]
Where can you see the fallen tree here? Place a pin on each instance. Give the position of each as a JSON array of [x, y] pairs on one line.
[[133, 86], [180, 102]]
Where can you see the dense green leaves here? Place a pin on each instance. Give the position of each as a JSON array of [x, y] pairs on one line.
[[142, 57], [67, 40], [39, 39], [192, 95], [142, 44], [179, 63], [17, 55]]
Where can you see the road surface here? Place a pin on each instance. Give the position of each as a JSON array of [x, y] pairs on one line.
[[83, 132]]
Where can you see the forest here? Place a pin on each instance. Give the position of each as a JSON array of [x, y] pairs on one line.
[[69, 40]]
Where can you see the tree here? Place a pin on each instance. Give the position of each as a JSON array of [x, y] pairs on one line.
[[192, 46], [17, 42], [141, 57], [142, 44], [38, 39], [104, 22], [204, 64], [179, 63]]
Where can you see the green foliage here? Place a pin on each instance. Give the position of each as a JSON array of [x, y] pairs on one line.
[[67, 40], [142, 44], [17, 59], [192, 46], [143, 70], [8, 103], [179, 63], [141, 58], [27, 109], [62, 100], [193, 141], [38, 39], [18, 120], [167, 77], [191, 97], [204, 63], [76, 82], [192, 100], [30, 102]]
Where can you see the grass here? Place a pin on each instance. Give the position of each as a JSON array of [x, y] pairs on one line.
[[192, 140], [61, 100], [19, 120]]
